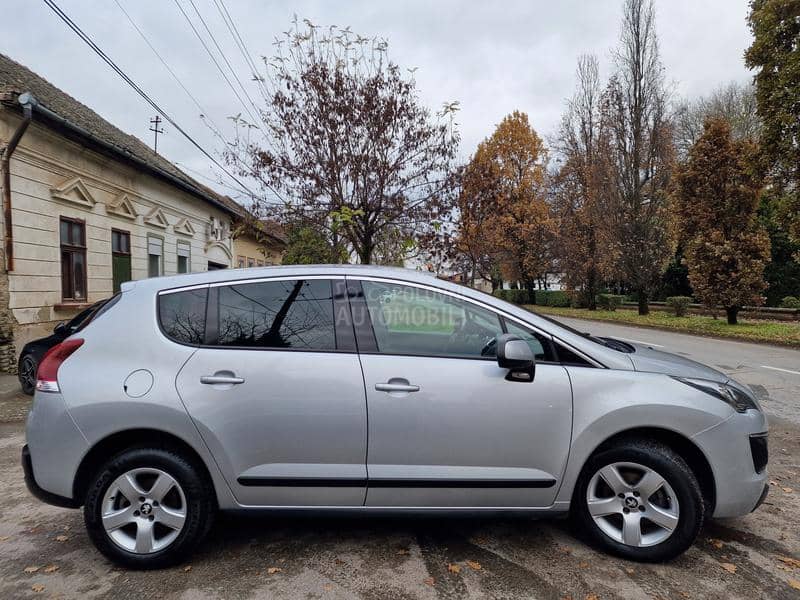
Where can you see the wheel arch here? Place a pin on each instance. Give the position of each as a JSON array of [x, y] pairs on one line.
[[119, 441], [688, 450]]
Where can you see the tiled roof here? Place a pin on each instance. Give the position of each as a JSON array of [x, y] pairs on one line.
[[16, 79]]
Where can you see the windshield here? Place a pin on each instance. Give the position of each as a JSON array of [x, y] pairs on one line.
[[612, 343]]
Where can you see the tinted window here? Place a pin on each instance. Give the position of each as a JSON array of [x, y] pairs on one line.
[[183, 315], [277, 314], [568, 357], [540, 346], [410, 320]]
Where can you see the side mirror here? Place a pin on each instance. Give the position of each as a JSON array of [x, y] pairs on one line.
[[60, 329], [514, 354]]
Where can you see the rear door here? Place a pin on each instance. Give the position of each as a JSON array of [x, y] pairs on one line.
[[446, 428], [277, 393]]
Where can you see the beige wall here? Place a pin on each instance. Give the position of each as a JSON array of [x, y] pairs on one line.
[[44, 162], [246, 247]]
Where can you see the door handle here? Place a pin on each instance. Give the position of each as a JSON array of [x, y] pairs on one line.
[[221, 379], [396, 387]]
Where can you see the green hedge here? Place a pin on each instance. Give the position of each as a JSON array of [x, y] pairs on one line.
[[553, 298], [514, 296], [610, 301], [679, 305], [790, 302]]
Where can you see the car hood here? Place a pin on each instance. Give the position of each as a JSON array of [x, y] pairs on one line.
[[646, 358]]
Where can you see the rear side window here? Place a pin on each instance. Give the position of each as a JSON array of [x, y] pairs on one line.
[[296, 314], [183, 315]]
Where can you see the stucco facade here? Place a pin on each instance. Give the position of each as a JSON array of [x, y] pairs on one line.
[[51, 178], [248, 252]]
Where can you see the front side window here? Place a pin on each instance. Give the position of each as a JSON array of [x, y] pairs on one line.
[[295, 314], [410, 320], [73, 259], [539, 345], [184, 257], [183, 315], [155, 256]]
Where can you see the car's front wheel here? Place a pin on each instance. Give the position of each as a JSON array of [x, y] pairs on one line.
[[640, 500], [148, 508], [26, 373]]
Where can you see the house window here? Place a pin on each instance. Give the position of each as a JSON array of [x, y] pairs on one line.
[[120, 257], [184, 257], [251, 262], [155, 256], [241, 261], [73, 259]]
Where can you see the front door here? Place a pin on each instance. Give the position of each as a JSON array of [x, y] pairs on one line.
[[277, 393], [445, 426]]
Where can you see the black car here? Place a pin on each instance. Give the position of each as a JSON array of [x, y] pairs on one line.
[[33, 351]]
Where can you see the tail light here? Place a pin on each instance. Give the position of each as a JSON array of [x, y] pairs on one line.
[[47, 374]]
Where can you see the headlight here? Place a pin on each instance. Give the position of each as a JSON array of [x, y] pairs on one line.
[[736, 398]]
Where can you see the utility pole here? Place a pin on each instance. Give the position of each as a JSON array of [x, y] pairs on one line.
[[155, 122]]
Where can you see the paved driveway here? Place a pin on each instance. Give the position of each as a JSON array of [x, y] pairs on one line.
[[44, 552]]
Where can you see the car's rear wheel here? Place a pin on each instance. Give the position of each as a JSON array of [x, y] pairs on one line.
[[26, 372], [148, 508], [640, 500]]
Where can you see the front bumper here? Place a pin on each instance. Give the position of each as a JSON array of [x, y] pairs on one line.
[[33, 487], [727, 446]]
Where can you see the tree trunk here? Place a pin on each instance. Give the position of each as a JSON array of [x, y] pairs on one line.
[[733, 314], [591, 292], [529, 285], [644, 308]]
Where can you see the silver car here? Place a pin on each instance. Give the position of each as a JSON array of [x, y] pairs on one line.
[[346, 388]]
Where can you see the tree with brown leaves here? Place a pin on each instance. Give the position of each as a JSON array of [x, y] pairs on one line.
[[345, 143], [505, 190], [715, 202]]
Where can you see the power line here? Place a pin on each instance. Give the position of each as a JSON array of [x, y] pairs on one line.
[[203, 111], [237, 38], [214, 60], [80, 33], [224, 56]]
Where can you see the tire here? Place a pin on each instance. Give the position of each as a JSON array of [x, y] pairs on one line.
[[161, 531], [26, 373], [611, 523]]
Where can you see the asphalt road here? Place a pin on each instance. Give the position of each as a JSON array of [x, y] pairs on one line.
[[44, 552]]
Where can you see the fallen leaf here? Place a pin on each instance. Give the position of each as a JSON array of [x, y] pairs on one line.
[[773, 482], [51, 568], [327, 587], [629, 571], [37, 587], [403, 552], [591, 596], [30, 569], [730, 568], [787, 490], [583, 565], [474, 565], [429, 581], [4, 538], [273, 570], [794, 583], [716, 543], [187, 568], [792, 562], [62, 538], [453, 568]]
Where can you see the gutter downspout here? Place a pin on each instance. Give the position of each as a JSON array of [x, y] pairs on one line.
[[5, 166]]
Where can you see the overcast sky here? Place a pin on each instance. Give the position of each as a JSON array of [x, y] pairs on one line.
[[492, 57]]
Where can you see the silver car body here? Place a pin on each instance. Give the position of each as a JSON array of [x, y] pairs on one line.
[[316, 419]]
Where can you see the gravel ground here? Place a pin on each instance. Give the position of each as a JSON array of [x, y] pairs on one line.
[[44, 552]]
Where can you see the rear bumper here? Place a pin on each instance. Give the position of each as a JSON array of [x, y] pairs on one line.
[[33, 487]]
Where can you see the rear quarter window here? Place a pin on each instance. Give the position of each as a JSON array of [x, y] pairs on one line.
[[182, 315]]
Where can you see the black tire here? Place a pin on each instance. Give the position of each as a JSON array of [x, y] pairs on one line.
[[27, 366], [200, 506], [677, 474]]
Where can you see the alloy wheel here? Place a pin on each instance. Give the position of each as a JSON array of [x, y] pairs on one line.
[[632, 504], [27, 373], [144, 510]]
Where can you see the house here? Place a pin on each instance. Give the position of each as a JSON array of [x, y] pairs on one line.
[[86, 207], [258, 243]]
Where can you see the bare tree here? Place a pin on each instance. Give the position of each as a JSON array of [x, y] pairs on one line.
[[346, 143], [635, 109], [735, 102]]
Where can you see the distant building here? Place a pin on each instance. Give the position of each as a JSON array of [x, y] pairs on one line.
[[86, 207], [257, 244]]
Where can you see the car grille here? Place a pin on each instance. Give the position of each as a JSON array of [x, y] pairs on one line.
[[758, 448]]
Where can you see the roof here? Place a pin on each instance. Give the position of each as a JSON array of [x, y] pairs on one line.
[[16, 79]]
